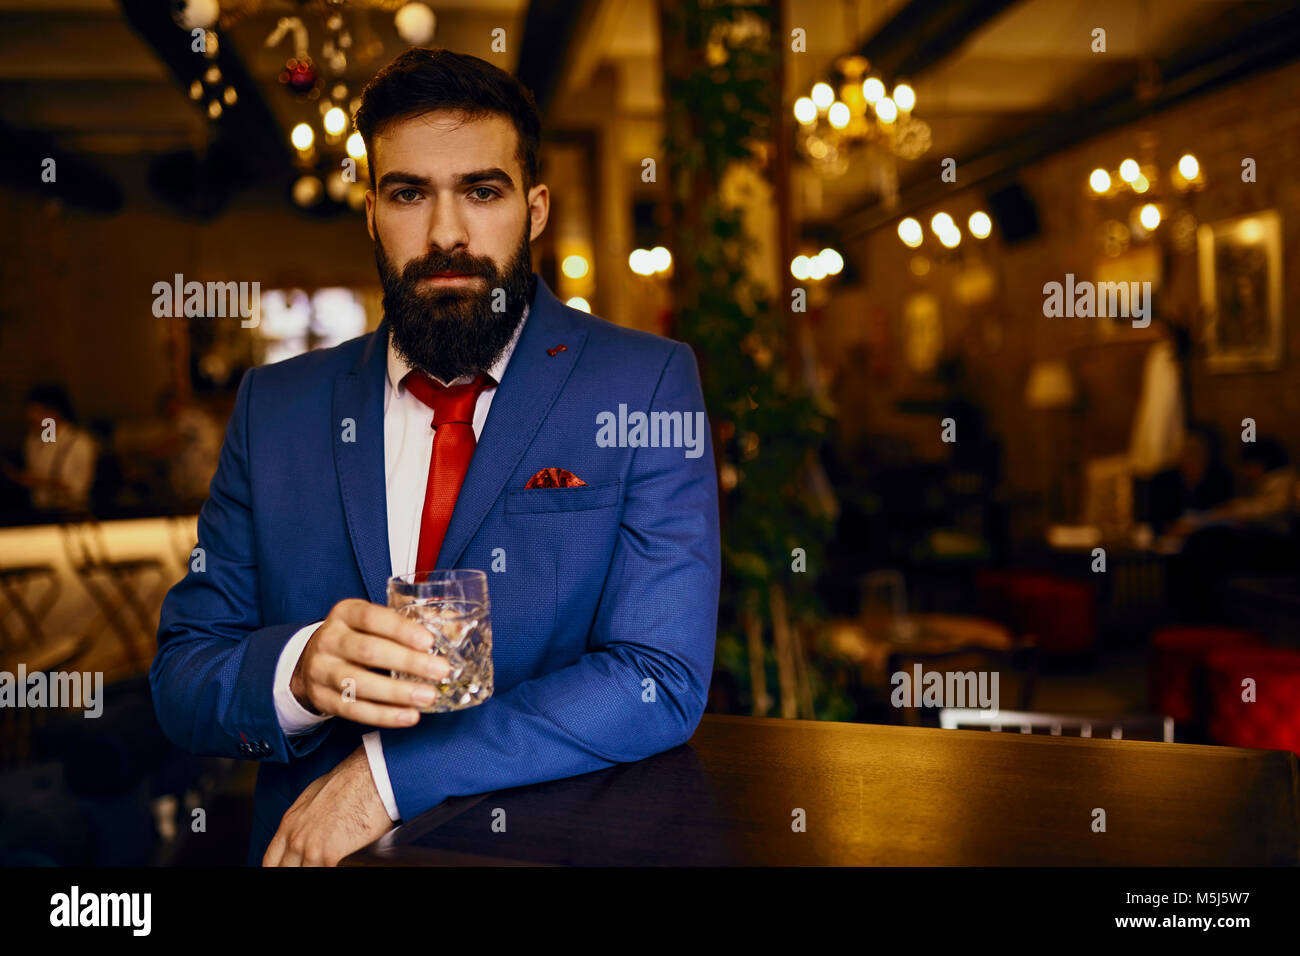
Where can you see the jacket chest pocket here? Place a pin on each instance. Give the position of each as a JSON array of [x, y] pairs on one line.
[[531, 501]]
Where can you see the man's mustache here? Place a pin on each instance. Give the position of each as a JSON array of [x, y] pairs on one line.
[[435, 263]]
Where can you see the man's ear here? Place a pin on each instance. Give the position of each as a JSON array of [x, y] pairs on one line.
[[370, 212], [539, 210]]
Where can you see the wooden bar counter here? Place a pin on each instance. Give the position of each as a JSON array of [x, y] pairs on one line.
[[874, 795]]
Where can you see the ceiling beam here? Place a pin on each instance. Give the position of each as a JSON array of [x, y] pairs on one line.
[[62, 45], [26, 158], [924, 32], [549, 29], [246, 138]]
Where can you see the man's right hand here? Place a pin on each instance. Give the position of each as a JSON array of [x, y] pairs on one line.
[[356, 637]]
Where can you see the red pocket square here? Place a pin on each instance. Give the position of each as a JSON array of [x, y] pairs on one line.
[[554, 478]]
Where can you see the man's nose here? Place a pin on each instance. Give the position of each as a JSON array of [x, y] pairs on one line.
[[447, 229]]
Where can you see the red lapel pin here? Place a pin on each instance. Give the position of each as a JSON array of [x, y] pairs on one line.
[[559, 348]]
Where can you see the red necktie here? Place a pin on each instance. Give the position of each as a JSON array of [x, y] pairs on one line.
[[453, 447]]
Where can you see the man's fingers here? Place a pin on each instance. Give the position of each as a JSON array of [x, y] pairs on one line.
[[385, 622], [381, 689], [370, 650], [275, 852], [378, 715]]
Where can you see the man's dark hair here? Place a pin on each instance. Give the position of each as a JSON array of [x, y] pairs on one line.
[[1267, 451], [55, 396], [420, 81], [1210, 435]]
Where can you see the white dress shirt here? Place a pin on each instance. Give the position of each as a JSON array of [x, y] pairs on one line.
[[408, 445], [69, 460]]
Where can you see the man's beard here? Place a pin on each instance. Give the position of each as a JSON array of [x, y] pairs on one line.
[[452, 331]]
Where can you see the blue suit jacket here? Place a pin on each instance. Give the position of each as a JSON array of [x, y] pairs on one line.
[[604, 585]]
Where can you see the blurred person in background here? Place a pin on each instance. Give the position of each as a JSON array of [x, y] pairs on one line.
[[1205, 478], [1159, 430], [191, 449], [58, 455], [1251, 533], [1269, 506]]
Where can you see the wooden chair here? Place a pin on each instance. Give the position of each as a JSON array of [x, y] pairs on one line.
[[1020, 660], [127, 590], [16, 582], [1055, 725], [29, 647]]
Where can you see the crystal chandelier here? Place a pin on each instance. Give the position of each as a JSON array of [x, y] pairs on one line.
[[320, 40], [1138, 199], [863, 120]]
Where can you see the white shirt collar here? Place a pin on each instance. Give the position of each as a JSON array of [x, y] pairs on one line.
[[398, 366]]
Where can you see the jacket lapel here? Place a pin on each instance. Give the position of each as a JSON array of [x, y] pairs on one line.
[[359, 395], [531, 384]]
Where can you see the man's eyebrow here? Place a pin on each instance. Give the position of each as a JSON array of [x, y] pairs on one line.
[[406, 179], [496, 174]]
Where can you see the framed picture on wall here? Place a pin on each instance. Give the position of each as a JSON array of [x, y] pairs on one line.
[[1241, 292]]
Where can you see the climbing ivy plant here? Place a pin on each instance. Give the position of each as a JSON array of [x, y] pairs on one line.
[[720, 84]]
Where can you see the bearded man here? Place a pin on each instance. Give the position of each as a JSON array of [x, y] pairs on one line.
[[461, 434]]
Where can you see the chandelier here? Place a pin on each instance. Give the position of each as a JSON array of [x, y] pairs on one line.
[[327, 157], [864, 119], [1138, 200]]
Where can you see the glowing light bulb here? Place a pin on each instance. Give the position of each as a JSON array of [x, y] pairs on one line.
[[823, 96], [805, 111], [886, 110], [1128, 170], [801, 267], [872, 89], [838, 115], [980, 225], [1099, 180], [661, 258], [1188, 166], [307, 191], [336, 121], [302, 137], [940, 223], [575, 267], [909, 230], [905, 97], [1149, 216], [834, 261], [356, 146]]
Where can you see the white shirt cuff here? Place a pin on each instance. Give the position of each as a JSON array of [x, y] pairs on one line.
[[293, 717], [379, 772]]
